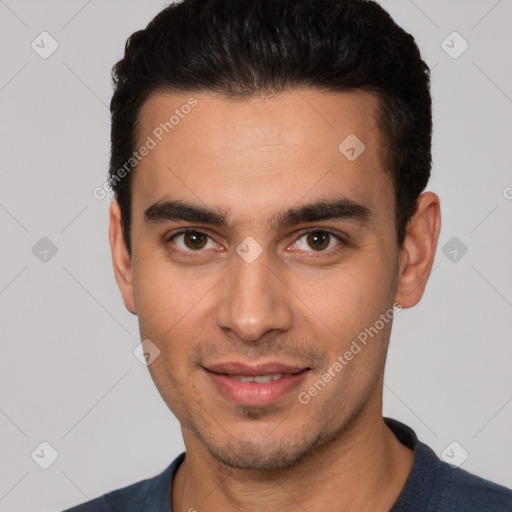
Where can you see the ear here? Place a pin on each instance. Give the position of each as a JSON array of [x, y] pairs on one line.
[[120, 257], [417, 255]]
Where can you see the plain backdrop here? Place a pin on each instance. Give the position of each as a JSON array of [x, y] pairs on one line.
[[68, 374]]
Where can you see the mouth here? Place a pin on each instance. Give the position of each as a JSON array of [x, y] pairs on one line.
[[255, 385], [260, 379]]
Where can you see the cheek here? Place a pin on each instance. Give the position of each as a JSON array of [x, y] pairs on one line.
[[174, 305], [167, 296], [347, 298]]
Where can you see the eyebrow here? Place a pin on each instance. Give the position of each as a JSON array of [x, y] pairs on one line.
[[323, 209]]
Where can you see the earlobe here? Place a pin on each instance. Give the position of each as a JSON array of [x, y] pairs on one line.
[[418, 252], [120, 258]]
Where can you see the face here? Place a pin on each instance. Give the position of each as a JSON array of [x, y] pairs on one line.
[[289, 254]]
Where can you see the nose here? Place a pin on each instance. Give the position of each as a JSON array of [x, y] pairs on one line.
[[254, 300]]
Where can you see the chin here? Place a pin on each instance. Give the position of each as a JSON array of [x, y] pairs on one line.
[[264, 454]]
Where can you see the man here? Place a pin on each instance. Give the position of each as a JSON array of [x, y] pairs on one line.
[[269, 159]]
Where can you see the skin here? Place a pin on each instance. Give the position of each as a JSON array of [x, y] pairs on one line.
[[294, 303]]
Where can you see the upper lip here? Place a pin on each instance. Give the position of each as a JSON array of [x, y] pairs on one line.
[[253, 370]]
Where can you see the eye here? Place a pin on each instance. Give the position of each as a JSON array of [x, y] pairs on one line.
[[319, 240], [191, 240]]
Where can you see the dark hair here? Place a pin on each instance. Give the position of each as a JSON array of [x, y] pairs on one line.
[[242, 48]]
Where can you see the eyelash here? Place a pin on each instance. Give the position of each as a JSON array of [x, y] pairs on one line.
[[300, 234]]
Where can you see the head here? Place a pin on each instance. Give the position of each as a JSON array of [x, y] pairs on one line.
[[292, 138]]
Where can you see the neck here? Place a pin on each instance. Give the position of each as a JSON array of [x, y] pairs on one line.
[[365, 468]]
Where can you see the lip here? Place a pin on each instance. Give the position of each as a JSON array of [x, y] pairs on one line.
[[254, 393], [236, 368]]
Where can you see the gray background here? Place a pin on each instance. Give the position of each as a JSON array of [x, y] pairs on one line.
[[68, 375]]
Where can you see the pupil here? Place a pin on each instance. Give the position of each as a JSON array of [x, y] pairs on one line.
[[318, 240]]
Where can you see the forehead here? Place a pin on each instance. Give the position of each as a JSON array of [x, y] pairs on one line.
[[255, 153]]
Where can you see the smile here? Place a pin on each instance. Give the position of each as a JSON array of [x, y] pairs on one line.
[[250, 386]]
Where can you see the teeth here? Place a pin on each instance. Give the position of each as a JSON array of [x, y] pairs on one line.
[[260, 379]]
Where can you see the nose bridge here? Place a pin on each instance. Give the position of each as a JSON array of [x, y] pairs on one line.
[[254, 300]]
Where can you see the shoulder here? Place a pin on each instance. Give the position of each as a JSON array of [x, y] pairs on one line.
[[151, 494], [461, 490], [436, 486], [131, 497]]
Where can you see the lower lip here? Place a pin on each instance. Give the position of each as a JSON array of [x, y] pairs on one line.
[[254, 393]]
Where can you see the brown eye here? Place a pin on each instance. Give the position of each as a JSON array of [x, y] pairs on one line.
[[195, 240], [191, 241], [318, 240]]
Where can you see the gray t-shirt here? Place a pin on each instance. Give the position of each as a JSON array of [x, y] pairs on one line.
[[432, 486]]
